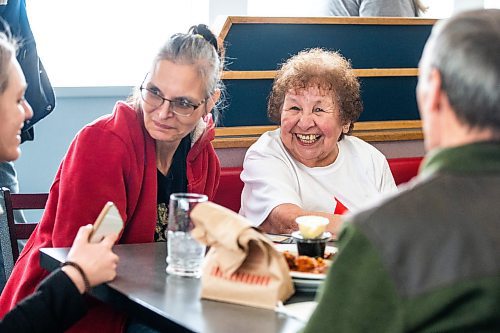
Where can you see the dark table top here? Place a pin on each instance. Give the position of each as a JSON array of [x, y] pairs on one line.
[[142, 288]]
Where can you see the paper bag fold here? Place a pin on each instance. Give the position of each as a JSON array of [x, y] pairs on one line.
[[242, 265]]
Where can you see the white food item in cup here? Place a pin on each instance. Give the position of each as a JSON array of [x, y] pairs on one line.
[[311, 226]]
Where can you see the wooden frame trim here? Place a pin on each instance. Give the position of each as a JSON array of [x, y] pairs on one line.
[[374, 72], [371, 131], [230, 20]]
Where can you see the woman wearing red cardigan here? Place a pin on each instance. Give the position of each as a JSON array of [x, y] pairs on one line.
[[157, 143]]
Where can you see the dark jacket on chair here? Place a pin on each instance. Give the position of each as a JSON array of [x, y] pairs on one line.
[[39, 93]]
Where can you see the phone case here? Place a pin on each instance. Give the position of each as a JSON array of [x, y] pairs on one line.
[[108, 222]]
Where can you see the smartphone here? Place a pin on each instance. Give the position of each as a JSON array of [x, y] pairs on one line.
[[108, 222]]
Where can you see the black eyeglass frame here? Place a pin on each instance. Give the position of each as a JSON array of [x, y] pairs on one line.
[[172, 102]]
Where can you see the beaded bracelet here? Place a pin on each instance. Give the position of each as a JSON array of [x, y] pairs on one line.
[[86, 281]]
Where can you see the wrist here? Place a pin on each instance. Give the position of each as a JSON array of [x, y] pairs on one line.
[[77, 275]]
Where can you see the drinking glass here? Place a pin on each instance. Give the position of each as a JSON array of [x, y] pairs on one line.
[[184, 253]]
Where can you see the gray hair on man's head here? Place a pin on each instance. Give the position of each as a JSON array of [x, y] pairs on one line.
[[465, 50]]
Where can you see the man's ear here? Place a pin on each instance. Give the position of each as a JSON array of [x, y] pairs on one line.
[[434, 92]]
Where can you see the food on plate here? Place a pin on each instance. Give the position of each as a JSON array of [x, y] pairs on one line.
[[306, 264]]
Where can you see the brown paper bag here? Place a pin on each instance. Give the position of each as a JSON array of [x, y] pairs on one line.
[[242, 265]]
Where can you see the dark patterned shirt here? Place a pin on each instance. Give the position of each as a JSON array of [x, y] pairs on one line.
[[174, 181]]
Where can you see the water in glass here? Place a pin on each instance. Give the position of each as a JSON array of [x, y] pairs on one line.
[[185, 254]]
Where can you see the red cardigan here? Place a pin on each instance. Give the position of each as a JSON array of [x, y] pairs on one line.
[[111, 159]]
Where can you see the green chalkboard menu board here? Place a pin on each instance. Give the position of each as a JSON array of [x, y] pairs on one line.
[[383, 51]]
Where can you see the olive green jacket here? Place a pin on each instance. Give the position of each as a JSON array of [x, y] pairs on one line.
[[426, 260]]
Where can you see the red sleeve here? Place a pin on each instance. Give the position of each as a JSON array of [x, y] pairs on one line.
[[94, 171]]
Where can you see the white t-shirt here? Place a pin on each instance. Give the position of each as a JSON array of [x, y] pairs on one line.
[[272, 177]]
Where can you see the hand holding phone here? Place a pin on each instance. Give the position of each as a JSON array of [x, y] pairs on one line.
[[108, 222]]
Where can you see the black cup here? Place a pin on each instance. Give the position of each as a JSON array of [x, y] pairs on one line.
[[311, 247]]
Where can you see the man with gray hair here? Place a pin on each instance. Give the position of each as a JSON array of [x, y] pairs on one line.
[[428, 259]]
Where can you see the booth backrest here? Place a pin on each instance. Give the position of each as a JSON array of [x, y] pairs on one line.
[[230, 184], [230, 187], [405, 168]]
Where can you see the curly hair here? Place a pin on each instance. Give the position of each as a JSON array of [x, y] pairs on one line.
[[327, 70]]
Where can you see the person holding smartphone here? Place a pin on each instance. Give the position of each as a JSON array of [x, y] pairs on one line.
[[58, 301], [156, 143]]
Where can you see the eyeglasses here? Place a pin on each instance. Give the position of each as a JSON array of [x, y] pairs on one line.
[[181, 107]]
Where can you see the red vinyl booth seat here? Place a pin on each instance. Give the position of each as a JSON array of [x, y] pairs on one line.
[[230, 185], [405, 168]]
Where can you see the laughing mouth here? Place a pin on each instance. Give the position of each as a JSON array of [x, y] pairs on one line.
[[307, 138]]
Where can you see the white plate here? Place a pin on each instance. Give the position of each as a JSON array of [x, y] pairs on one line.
[[308, 282], [307, 276], [306, 285]]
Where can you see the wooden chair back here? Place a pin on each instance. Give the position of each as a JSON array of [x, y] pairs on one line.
[[21, 201]]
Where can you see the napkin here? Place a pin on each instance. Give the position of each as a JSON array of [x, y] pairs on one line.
[[242, 265], [301, 311]]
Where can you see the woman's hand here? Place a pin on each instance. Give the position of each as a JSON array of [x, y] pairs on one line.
[[281, 220], [335, 225], [96, 259]]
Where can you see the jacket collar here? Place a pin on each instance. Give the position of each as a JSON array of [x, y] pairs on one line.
[[199, 130], [201, 136], [480, 157]]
